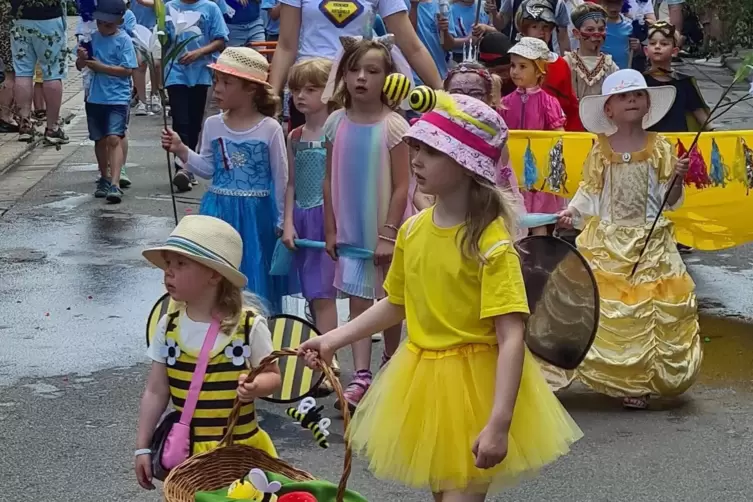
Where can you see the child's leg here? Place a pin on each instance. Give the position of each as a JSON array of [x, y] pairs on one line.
[[437, 497], [139, 80], [115, 156], [100, 150], [362, 348], [392, 340], [325, 314], [124, 147], [39, 105], [538, 231]]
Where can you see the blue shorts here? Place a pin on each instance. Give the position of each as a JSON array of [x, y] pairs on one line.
[[42, 42], [106, 120], [242, 34]]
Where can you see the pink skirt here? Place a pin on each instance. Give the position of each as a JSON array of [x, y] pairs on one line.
[[543, 202]]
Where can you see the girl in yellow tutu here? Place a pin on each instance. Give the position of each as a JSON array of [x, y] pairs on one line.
[[647, 342], [462, 408]]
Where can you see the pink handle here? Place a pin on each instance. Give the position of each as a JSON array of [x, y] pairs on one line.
[[197, 380]]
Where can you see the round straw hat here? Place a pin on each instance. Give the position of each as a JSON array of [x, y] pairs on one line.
[[207, 240], [592, 112], [243, 62]]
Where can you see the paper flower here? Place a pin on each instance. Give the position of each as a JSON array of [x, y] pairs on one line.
[[147, 41], [238, 352], [170, 351], [184, 21]]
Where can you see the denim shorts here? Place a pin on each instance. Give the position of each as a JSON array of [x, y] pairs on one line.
[[42, 42], [242, 34], [106, 120]]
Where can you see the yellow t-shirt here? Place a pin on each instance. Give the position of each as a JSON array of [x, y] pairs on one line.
[[451, 300]]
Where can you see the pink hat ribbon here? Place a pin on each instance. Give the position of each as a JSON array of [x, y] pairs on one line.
[[463, 135]]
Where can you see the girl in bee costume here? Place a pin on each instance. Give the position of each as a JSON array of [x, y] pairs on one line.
[[201, 259], [462, 408]]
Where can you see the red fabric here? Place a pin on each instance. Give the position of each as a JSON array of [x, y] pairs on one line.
[[558, 83]]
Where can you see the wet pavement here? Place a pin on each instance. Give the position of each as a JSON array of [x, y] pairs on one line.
[[74, 295]]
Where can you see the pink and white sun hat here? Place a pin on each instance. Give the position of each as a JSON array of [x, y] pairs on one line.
[[463, 128], [243, 62]]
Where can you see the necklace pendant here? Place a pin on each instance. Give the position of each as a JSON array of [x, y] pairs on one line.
[[626, 157]]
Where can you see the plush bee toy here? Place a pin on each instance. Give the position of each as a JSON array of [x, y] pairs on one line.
[[310, 417], [396, 88], [422, 99], [254, 488]]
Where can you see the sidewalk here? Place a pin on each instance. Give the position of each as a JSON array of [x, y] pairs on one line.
[[11, 150]]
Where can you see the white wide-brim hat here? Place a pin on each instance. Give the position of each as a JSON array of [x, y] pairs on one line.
[[595, 119], [207, 240]]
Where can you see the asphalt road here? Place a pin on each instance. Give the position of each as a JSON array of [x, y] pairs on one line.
[[75, 292]]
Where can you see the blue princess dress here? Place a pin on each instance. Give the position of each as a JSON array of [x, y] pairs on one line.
[[249, 172]]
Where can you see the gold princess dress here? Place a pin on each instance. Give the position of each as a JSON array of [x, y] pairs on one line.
[[648, 338]]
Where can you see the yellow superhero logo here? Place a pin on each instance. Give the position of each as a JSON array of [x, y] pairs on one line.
[[341, 12]]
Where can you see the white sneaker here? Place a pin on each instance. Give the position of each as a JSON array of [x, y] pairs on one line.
[[155, 107], [141, 110]]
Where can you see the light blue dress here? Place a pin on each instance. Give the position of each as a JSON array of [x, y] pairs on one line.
[[249, 173]]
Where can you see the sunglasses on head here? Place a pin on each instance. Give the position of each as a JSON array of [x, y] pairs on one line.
[[662, 27]]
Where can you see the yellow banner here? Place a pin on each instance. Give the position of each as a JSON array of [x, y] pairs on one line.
[[711, 218]]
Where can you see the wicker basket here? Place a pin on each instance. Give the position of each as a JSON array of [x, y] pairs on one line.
[[228, 462]]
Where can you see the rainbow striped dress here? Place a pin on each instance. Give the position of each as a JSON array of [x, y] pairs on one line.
[[361, 192]]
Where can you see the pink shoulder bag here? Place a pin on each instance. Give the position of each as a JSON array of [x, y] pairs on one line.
[[171, 443]]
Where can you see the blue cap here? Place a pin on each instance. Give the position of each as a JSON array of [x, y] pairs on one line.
[[110, 11]]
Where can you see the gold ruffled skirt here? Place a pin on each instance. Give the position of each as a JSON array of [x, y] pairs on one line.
[[648, 339]]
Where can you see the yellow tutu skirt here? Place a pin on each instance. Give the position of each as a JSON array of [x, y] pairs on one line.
[[648, 339], [260, 441], [420, 418]]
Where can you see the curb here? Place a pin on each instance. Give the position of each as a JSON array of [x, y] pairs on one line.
[[31, 146]]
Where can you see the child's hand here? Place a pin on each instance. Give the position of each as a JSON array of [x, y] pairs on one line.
[[681, 167], [443, 23], [248, 390], [171, 141], [383, 252], [565, 218], [82, 54], [189, 57], [490, 447], [330, 239], [635, 44], [143, 470], [315, 349], [288, 235]]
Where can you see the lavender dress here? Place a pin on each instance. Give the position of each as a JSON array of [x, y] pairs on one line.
[[314, 270]]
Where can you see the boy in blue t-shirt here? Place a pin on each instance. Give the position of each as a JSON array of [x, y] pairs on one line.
[[619, 41], [107, 103], [189, 78], [464, 12], [436, 32]]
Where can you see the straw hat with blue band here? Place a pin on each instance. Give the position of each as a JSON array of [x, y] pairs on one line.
[[207, 240]]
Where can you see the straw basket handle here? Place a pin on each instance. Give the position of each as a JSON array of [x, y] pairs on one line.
[[330, 375]]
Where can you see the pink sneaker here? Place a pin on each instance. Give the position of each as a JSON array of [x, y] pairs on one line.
[[356, 389]]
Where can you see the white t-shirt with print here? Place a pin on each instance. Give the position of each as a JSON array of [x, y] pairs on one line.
[[323, 22], [192, 336], [639, 10]]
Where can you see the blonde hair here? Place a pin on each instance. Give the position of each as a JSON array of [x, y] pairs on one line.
[[231, 301], [486, 203], [313, 72], [351, 56]]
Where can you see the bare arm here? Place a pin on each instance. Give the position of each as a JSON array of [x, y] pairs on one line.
[[380, 316], [510, 329], [146, 3], [400, 165], [290, 190], [413, 14], [99, 67], [274, 12], [265, 383], [676, 193], [701, 115], [212, 47], [287, 46], [412, 48], [564, 40], [153, 404]]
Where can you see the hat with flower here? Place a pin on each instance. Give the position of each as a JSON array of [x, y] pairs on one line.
[[463, 128]]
